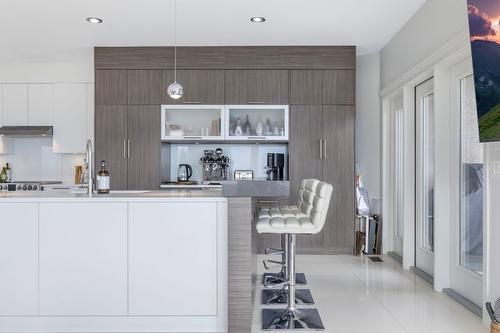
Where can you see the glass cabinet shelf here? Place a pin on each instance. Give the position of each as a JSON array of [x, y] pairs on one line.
[[189, 122], [256, 122]]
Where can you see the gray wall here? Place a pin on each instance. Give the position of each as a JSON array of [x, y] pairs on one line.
[[431, 27], [368, 124]]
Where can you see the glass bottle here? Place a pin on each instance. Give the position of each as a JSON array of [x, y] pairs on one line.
[[247, 127], [8, 172], [103, 179], [3, 176]]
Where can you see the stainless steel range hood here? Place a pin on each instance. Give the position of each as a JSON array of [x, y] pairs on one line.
[[27, 130]]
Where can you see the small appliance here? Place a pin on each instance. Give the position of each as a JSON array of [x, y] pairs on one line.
[[275, 166], [184, 172], [215, 166], [25, 186]]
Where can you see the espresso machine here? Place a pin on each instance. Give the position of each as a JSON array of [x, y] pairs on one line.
[[215, 166], [275, 166]]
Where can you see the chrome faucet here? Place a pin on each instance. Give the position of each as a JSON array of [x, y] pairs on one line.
[[88, 164]]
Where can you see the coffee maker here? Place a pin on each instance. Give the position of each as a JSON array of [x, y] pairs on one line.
[[275, 166]]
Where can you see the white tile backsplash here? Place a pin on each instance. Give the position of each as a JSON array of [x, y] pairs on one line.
[[33, 159], [243, 157]]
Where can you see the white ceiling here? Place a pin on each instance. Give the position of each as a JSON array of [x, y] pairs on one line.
[[56, 30]]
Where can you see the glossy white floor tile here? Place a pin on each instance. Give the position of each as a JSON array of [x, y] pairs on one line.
[[355, 295]]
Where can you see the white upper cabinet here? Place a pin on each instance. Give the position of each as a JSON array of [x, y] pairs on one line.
[[40, 104], [70, 119], [192, 122], [256, 122], [14, 104]]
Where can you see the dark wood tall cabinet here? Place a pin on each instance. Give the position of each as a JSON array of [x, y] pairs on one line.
[[322, 147], [111, 142], [127, 127]]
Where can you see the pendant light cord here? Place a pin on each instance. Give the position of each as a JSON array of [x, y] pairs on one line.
[[175, 40]]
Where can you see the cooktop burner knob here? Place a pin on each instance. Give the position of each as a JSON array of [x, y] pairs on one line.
[[35, 187], [25, 187], [30, 187], [19, 187]]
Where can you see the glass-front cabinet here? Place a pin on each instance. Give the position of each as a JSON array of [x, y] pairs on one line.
[[192, 122], [256, 122]]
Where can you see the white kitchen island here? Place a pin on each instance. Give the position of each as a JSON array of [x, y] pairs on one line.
[[124, 262]]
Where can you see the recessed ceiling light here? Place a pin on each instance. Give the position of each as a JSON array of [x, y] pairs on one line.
[[258, 19], [94, 20]]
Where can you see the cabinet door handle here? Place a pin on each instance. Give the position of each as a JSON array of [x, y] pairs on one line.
[[191, 102], [256, 102], [124, 149], [324, 149], [256, 138], [192, 137], [128, 148], [320, 149]]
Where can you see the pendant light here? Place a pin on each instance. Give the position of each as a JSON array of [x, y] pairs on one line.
[[175, 90]]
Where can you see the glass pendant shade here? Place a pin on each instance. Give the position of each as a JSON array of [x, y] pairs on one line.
[[175, 91]]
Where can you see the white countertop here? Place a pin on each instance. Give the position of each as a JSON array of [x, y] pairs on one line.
[[170, 195]]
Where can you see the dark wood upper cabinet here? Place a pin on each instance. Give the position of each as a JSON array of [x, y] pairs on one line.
[[339, 87], [256, 87], [144, 86], [111, 87], [111, 142], [306, 87], [200, 86], [144, 147]]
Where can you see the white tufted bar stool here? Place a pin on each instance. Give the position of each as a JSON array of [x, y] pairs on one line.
[[269, 210], [307, 218]]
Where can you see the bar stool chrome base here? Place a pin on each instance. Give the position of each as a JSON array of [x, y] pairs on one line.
[[298, 319], [276, 278], [280, 296]]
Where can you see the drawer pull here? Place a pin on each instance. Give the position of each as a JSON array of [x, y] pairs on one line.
[[256, 102], [191, 102]]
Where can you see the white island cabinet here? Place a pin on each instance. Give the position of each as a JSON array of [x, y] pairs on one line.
[[116, 263], [83, 259]]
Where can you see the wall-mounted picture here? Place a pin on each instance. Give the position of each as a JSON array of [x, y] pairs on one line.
[[484, 27]]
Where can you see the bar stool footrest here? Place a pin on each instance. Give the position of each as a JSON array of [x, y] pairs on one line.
[[280, 296], [298, 319], [300, 278]]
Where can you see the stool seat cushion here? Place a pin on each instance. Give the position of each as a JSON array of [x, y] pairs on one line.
[[292, 224]]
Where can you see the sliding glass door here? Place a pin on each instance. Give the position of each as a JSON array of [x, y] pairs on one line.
[[467, 222], [424, 176]]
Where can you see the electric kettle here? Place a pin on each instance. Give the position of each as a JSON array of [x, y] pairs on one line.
[[184, 172]]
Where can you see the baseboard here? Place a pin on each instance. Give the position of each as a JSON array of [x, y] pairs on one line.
[[464, 302], [395, 256], [426, 277]]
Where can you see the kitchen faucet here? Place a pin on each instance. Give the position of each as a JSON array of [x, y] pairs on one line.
[[88, 161]]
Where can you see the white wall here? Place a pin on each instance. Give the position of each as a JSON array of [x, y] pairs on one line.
[[437, 22], [368, 146]]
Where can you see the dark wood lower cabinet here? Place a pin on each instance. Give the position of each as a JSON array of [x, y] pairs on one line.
[[144, 147], [110, 142], [128, 139]]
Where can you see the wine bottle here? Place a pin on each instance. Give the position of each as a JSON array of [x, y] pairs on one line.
[[103, 179], [8, 172]]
